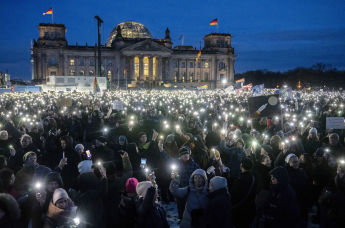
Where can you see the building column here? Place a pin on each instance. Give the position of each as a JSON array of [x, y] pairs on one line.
[[159, 70], [130, 72], [150, 78], [232, 70], [141, 68]]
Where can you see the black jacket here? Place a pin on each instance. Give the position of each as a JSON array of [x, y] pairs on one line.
[[150, 213], [218, 212]]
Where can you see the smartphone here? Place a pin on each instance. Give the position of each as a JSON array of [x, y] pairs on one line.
[[88, 153], [143, 161]]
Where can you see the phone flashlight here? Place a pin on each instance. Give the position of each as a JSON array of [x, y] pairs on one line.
[[88, 153]]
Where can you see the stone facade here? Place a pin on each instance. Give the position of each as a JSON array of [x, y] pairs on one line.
[[131, 57]]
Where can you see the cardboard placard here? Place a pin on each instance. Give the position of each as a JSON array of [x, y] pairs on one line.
[[335, 123]]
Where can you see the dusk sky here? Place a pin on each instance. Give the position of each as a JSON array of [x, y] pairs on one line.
[[266, 34]]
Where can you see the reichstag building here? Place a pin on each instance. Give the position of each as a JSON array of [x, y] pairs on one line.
[[132, 57]]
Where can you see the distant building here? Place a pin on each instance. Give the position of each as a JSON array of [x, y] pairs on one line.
[[131, 57], [5, 80]]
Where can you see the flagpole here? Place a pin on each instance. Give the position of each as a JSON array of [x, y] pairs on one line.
[[52, 16]]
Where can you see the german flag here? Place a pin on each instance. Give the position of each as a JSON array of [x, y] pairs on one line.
[[214, 22], [198, 55], [49, 11]]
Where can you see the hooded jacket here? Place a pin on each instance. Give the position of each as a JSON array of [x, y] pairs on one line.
[[195, 198], [281, 208]]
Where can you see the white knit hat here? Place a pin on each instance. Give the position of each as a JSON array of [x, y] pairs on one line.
[[217, 183], [142, 188], [313, 130], [59, 193], [287, 159], [84, 166]]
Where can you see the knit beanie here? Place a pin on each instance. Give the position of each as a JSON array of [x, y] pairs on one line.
[[59, 193], [27, 154], [142, 188], [217, 182], [84, 166], [54, 176], [131, 185], [313, 130], [183, 150], [287, 159]]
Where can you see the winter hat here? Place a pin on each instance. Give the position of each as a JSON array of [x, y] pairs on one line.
[[142, 188], [41, 172], [246, 163], [59, 193], [10, 206], [183, 150], [313, 130], [170, 138], [79, 146], [26, 155], [287, 159], [54, 176], [131, 185], [84, 166], [267, 148], [122, 138], [217, 182]]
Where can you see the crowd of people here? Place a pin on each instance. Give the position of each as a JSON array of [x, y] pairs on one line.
[[115, 159]]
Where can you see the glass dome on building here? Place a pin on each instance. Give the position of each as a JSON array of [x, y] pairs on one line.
[[129, 30]]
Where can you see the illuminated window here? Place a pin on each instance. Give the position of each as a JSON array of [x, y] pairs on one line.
[[109, 75], [206, 64], [91, 72], [136, 67], [154, 68], [175, 79], [146, 67], [72, 72], [81, 72], [71, 62]]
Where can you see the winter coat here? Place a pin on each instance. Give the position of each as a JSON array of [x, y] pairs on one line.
[[218, 213], [90, 199], [243, 198], [281, 209], [12, 212], [150, 213], [70, 172], [127, 213], [262, 176], [300, 182], [185, 171], [232, 158], [196, 199]]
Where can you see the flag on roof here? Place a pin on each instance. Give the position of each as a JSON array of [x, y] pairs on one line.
[[49, 11], [214, 22]]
